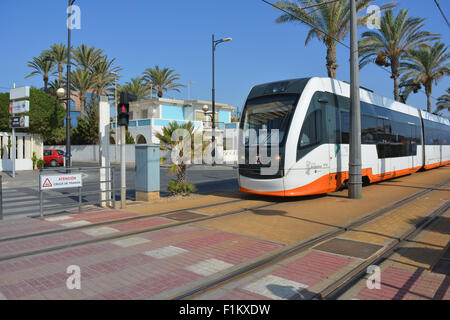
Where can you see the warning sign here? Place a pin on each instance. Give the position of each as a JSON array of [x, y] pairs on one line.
[[61, 181]]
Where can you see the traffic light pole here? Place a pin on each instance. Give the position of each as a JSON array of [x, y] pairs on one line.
[[123, 118], [123, 172]]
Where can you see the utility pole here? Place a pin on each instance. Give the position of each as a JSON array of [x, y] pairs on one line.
[[13, 157], [213, 117], [355, 178], [117, 127]]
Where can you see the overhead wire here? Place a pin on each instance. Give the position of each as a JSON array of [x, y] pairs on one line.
[[320, 30]]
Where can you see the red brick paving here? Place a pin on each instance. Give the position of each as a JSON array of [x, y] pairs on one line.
[[402, 284], [111, 272], [309, 269]]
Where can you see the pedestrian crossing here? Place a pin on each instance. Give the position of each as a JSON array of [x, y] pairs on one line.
[[24, 202]]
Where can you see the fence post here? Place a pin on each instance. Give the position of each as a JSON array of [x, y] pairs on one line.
[[1, 199], [113, 191], [80, 200], [41, 202]]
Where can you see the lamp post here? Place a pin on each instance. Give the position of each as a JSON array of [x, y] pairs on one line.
[[213, 118], [69, 49]]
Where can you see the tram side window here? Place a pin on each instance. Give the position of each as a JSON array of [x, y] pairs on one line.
[[345, 127], [311, 130], [311, 134], [368, 129]]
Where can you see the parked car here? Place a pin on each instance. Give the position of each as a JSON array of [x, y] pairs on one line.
[[54, 157]]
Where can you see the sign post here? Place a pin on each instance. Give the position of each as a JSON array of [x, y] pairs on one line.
[[16, 106], [48, 182]]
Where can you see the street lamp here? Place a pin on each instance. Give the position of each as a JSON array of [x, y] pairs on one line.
[[215, 43], [69, 49], [60, 93]]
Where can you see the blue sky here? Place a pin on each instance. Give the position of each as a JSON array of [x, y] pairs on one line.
[[177, 34]]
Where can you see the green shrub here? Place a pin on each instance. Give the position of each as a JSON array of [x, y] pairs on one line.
[[184, 188], [34, 159], [40, 163]]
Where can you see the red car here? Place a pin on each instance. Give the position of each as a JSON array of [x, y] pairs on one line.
[[53, 157]]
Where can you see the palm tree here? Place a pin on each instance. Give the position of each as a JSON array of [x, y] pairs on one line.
[[396, 37], [168, 144], [82, 82], [162, 80], [44, 66], [103, 73], [443, 102], [85, 57], [53, 86], [330, 23], [136, 87], [58, 53], [425, 66]]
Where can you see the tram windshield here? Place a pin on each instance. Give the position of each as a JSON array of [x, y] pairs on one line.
[[263, 115]]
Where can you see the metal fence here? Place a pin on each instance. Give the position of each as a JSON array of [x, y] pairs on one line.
[[108, 189]]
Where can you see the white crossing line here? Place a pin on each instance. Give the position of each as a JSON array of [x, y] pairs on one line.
[[60, 218], [129, 242], [99, 231], [165, 252], [22, 198], [26, 203], [276, 288], [75, 224], [209, 267]]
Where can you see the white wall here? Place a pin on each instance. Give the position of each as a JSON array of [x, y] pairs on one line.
[[89, 153], [26, 144]]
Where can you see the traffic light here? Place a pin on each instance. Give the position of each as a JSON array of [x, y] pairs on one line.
[[123, 108], [123, 116]]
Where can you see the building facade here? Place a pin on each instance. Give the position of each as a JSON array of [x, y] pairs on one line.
[[148, 117]]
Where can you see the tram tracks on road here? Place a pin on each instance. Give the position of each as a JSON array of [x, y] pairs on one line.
[[256, 265], [125, 234], [344, 283], [103, 223]]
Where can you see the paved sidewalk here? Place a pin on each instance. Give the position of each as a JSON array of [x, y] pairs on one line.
[[161, 263], [418, 271]]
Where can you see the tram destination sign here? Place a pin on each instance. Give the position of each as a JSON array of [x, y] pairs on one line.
[[19, 122], [60, 181]]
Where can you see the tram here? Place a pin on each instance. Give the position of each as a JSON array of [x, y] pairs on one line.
[[312, 119]]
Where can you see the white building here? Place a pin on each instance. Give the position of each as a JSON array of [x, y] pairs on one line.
[[147, 117]]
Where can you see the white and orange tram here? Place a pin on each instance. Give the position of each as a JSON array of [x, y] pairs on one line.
[[312, 118]]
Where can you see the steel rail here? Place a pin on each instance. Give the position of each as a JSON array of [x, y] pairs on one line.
[[296, 248]]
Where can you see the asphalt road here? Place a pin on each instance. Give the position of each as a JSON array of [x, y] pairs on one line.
[[21, 194]]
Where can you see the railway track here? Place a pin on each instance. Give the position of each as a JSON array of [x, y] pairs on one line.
[[127, 233], [333, 290], [339, 287]]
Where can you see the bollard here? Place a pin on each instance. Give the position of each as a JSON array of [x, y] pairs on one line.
[[147, 172]]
